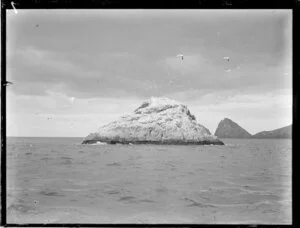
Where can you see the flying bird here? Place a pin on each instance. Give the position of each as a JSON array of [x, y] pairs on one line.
[[6, 83], [72, 99], [13, 6], [37, 25], [170, 82], [180, 55], [226, 58]]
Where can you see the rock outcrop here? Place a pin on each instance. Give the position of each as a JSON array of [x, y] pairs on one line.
[[229, 129], [156, 121], [284, 132]]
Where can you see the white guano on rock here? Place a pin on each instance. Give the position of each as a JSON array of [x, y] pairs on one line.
[[156, 121]]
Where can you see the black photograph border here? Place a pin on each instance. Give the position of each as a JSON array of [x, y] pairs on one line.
[[293, 5]]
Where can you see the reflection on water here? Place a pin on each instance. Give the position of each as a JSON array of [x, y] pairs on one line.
[[61, 181]]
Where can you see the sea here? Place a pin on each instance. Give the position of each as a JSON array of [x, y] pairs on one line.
[[59, 180]]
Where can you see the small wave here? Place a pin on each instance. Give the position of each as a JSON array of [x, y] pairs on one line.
[[114, 164], [50, 193], [126, 198], [21, 208], [112, 192], [232, 145], [194, 203], [263, 202], [258, 192], [162, 190], [83, 162], [76, 190], [135, 200], [99, 143], [197, 204], [201, 169], [285, 201], [66, 161], [266, 206], [249, 205], [146, 201], [162, 149], [252, 188], [65, 158], [236, 205]]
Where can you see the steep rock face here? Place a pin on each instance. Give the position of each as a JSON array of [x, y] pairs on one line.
[[284, 132], [229, 129], [157, 121]]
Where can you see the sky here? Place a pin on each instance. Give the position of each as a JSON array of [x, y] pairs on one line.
[[75, 70]]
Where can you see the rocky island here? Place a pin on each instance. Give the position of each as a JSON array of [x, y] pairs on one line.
[[229, 129], [156, 121]]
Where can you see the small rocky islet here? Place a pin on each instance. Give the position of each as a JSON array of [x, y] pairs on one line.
[[156, 121]]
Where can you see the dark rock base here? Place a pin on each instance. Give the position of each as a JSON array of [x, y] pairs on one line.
[[166, 142]]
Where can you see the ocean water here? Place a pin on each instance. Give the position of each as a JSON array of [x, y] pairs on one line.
[[58, 180]]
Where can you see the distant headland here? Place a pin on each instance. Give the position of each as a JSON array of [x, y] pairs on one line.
[[229, 129]]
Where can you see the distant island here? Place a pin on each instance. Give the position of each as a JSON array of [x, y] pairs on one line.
[[230, 129], [156, 121], [284, 132]]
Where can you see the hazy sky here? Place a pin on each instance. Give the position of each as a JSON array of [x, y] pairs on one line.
[[75, 70]]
